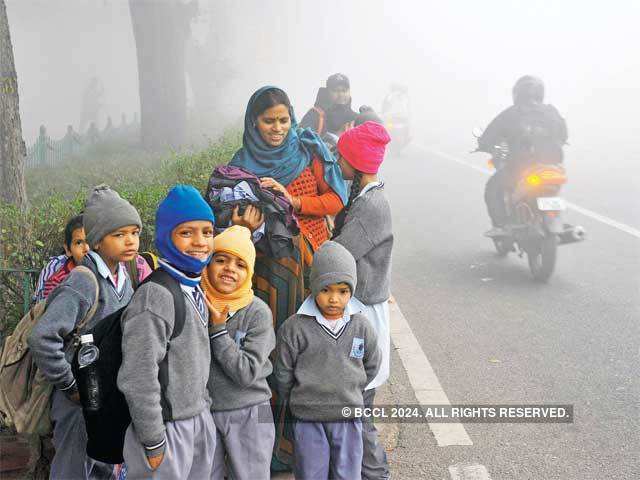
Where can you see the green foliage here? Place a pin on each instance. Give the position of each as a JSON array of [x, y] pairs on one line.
[[28, 239]]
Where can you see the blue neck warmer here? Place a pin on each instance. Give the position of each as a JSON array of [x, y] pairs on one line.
[[182, 204], [178, 275]]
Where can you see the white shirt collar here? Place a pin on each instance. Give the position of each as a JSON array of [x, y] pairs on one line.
[[332, 327], [369, 186], [105, 273], [309, 307]]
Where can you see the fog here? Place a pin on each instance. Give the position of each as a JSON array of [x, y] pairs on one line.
[[459, 59]]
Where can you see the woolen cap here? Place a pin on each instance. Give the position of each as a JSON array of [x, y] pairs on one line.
[[106, 212], [332, 263], [364, 146]]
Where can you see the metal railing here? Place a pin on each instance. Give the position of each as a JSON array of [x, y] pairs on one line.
[[28, 280], [47, 152]]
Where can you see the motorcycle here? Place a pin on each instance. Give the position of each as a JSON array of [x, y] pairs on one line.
[[535, 211], [398, 128]]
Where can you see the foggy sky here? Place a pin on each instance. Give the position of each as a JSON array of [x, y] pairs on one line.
[[459, 58]]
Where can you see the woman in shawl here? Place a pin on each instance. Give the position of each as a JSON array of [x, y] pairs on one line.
[[297, 163]]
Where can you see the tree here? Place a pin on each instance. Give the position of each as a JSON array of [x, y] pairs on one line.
[[161, 30], [12, 148]]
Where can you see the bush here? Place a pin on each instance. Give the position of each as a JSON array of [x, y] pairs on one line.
[[28, 239]]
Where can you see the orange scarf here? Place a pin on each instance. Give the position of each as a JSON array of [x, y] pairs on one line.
[[236, 241]]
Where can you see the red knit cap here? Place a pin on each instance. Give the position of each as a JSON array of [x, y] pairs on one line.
[[363, 146]]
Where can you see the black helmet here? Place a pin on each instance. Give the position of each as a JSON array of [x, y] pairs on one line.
[[528, 89]]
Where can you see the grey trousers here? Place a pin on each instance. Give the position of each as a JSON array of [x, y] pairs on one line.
[[327, 450], [70, 441], [245, 437], [188, 452], [374, 458]]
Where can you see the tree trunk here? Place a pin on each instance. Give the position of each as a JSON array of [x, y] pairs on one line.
[[12, 148], [161, 30]]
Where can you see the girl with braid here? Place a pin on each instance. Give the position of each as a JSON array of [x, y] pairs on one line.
[[364, 228]]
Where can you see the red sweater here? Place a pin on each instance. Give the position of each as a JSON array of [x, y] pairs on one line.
[[317, 199]]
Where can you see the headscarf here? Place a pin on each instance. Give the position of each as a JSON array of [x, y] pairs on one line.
[[235, 240], [182, 204], [285, 162]]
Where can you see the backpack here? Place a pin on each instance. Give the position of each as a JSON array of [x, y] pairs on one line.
[[24, 392], [151, 259], [538, 135], [106, 428]]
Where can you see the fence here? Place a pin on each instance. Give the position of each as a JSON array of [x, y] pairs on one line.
[[46, 152], [25, 279]]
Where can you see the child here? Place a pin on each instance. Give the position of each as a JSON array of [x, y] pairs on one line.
[[172, 435], [75, 248], [58, 268], [364, 228], [240, 346], [327, 354], [112, 227]]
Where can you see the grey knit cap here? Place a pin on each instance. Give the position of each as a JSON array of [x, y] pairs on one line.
[[332, 263], [106, 212]]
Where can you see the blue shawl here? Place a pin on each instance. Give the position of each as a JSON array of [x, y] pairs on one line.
[[286, 162]]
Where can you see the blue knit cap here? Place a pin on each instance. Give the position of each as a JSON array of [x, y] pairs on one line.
[[182, 204]]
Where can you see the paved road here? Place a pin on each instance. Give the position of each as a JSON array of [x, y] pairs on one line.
[[493, 336]]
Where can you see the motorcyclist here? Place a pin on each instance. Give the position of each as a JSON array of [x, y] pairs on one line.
[[533, 132], [396, 104], [332, 110]]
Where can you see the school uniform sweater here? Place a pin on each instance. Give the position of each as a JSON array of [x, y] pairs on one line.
[[240, 364], [66, 306], [368, 235], [147, 325], [320, 371]]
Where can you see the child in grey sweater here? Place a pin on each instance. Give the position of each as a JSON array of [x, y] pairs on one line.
[[171, 434], [112, 226], [327, 354], [242, 337], [364, 228]]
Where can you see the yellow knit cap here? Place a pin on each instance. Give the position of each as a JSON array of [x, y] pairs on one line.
[[235, 240]]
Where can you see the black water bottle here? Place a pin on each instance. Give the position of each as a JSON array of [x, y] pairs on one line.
[[88, 378]]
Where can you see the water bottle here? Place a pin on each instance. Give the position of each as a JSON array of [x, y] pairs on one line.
[[88, 378]]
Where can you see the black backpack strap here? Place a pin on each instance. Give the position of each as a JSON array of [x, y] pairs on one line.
[[161, 277]]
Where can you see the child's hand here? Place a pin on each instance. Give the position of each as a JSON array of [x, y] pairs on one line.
[[154, 462], [252, 218], [217, 317]]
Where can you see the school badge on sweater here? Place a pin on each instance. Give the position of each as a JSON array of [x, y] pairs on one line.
[[357, 348]]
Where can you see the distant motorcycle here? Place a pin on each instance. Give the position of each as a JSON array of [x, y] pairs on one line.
[[399, 131], [535, 212]]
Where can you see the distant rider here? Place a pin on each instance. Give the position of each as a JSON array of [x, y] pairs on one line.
[[332, 110], [395, 106]]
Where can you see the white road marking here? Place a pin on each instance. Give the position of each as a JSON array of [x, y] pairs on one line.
[[584, 211], [463, 471], [423, 379]]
